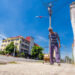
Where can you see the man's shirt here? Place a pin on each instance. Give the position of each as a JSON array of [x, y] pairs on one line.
[[53, 38]]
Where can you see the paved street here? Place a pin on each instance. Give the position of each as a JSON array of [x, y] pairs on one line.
[[21, 67], [28, 68], [10, 59]]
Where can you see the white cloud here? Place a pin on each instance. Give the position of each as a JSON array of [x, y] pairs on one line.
[[41, 39], [2, 36]]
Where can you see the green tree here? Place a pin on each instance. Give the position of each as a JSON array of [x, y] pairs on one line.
[[22, 54], [68, 59], [10, 48], [37, 52], [41, 55], [2, 52]]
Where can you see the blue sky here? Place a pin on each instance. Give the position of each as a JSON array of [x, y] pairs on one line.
[[17, 17]]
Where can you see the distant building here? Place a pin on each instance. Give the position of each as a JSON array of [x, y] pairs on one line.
[[23, 44], [32, 43], [72, 10]]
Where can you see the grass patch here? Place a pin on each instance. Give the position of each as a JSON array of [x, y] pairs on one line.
[[13, 62], [40, 61], [3, 63]]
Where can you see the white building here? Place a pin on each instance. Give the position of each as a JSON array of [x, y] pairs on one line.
[[72, 11], [32, 43], [20, 42], [23, 44]]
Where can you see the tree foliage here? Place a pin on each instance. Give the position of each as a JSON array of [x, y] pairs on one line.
[[37, 52], [22, 54], [2, 52], [68, 59], [10, 48], [41, 55]]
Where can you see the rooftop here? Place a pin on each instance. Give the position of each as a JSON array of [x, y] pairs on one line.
[[17, 37], [36, 44], [13, 38], [27, 38]]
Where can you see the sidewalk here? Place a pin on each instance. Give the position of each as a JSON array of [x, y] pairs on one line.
[[28, 68]]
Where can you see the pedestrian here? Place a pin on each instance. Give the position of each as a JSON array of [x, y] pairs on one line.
[[54, 46]]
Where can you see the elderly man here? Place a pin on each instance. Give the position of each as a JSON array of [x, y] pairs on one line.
[[54, 45]]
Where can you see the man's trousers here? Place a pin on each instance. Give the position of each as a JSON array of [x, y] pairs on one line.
[[57, 53]]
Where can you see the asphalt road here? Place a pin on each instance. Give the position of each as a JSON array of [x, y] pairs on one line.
[[29, 67], [10, 59]]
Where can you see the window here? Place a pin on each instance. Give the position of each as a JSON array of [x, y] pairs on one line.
[[17, 39], [12, 40], [2, 45], [8, 40], [5, 41], [22, 45], [26, 46], [22, 50], [23, 40], [25, 51], [27, 42], [16, 43]]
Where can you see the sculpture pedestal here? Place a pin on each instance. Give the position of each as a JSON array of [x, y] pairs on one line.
[[72, 10]]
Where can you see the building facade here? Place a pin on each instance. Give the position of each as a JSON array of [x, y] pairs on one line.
[[72, 11], [32, 43], [19, 41], [23, 44], [31, 40]]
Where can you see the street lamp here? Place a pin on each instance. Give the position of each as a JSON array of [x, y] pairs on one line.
[[49, 6], [14, 50], [50, 14]]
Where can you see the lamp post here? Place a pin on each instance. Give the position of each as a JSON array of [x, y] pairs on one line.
[[50, 14], [14, 50], [49, 6]]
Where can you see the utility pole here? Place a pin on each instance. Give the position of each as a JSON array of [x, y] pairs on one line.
[[49, 6], [14, 50], [50, 15]]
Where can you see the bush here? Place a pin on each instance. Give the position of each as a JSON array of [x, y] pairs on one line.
[[17, 53], [6, 52], [2, 52], [37, 52], [22, 54], [10, 48], [41, 55]]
